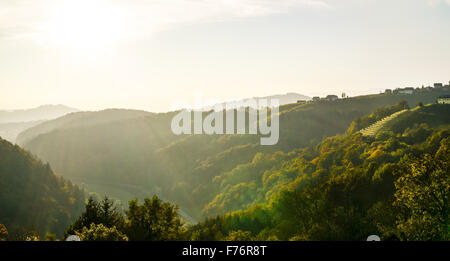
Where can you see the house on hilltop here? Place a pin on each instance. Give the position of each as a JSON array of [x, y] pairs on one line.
[[438, 85], [407, 90], [447, 87], [332, 98]]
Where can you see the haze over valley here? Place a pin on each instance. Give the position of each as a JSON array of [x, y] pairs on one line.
[[220, 120]]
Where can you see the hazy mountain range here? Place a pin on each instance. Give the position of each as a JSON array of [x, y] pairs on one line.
[[44, 112], [12, 123], [16, 121]]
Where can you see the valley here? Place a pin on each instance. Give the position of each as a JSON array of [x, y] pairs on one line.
[[229, 187]]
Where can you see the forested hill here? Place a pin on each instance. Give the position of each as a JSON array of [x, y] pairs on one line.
[[32, 197], [139, 150], [395, 185], [79, 119]]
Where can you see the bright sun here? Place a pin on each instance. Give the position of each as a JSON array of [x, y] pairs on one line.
[[84, 24]]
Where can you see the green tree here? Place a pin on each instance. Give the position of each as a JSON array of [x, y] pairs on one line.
[[100, 232], [154, 220], [103, 212], [422, 196]]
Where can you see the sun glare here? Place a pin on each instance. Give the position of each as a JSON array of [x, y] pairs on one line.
[[84, 24]]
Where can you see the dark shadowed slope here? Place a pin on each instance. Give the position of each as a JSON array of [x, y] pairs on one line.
[[32, 196]]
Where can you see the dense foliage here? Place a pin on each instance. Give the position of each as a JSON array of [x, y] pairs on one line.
[[422, 196], [154, 220], [32, 196], [101, 233], [97, 213], [348, 187], [127, 154], [307, 187]]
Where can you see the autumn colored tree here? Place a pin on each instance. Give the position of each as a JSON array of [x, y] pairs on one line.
[[3, 232]]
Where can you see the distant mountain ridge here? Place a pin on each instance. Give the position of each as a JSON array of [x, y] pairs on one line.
[[14, 122], [10, 130], [284, 99], [109, 115], [44, 112]]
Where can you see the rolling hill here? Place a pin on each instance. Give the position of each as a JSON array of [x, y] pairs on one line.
[[103, 149], [394, 184]]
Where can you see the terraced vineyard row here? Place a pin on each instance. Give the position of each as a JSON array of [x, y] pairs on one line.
[[373, 129]]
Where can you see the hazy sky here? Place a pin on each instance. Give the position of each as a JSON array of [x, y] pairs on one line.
[[95, 54]]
